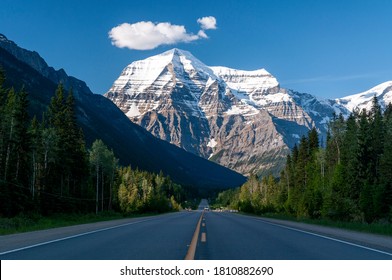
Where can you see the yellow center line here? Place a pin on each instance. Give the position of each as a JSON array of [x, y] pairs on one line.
[[190, 255]]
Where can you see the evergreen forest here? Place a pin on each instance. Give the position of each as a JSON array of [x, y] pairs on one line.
[[46, 168], [349, 178]]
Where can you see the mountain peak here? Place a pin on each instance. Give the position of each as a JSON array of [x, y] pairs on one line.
[[35, 61], [175, 51], [167, 68], [5, 40], [240, 119], [364, 99], [3, 37], [186, 59], [168, 57]]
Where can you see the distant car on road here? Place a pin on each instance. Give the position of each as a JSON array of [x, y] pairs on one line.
[[206, 209]]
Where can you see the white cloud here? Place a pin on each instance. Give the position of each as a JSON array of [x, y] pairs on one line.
[[207, 22], [202, 34], [146, 35]]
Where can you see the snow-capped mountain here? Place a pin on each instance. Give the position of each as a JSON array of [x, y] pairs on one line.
[[101, 119], [240, 119], [363, 100]]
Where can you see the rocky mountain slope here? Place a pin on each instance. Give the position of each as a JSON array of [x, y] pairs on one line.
[[240, 119], [101, 119]]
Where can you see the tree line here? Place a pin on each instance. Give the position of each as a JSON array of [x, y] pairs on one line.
[[46, 168], [350, 179]]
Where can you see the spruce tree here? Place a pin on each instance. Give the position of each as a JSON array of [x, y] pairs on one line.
[[364, 160], [350, 151], [385, 191], [313, 140], [14, 152], [376, 130], [377, 134]]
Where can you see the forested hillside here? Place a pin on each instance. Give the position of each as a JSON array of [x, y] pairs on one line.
[[45, 167], [349, 180]]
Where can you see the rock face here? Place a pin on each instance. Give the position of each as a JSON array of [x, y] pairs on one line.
[[240, 119], [35, 61]]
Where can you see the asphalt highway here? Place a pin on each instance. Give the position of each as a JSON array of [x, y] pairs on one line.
[[222, 236], [160, 237], [231, 236]]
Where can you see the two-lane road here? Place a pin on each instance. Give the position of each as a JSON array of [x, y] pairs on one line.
[[168, 236], [233, 236]]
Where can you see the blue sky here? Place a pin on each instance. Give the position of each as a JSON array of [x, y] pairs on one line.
[[327, 48]]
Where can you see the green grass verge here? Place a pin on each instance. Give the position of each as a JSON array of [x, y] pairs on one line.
[[25, 223]]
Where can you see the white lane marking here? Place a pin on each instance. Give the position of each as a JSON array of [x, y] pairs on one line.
[[203, 237], [73, 236], [325, 237]]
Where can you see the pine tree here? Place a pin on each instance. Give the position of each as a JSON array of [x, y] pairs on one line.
[[2, 77], [67, 173], [303, 156], [56, 160], [334, 141], [376, 127], [377, 134], [364, 167], [9, 133], [349, 158], [22, 139], [313, 140], [385, 198], [74, 148], [14, 152]]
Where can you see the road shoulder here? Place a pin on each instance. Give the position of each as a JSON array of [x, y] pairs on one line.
[[379, 242]]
